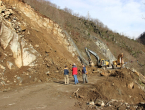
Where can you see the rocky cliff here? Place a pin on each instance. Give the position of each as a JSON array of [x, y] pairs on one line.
[[32, 46]]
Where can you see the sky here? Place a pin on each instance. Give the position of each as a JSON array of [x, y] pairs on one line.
[[122, 16]]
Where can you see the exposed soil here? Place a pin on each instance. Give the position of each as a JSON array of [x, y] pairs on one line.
[[42, 87], [112, 89]]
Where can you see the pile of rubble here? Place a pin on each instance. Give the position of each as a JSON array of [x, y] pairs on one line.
[[114, 104], [9, 15], [120, 90]]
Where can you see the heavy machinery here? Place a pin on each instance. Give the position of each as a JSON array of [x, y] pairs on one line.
[[119, 62], [101, 62]]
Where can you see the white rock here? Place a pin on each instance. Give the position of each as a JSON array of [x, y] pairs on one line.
[[6, 36], [29, 54], [92, 103], [36, 45], [15, 47], [2, 68], [102, 104], [9, 64], [7, 12]]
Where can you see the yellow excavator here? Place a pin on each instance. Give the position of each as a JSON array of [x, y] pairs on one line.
[[101, 62], [119, 62]]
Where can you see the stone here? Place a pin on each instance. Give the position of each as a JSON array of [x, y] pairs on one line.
[[104, 74], [11, 11], [48, 73], [23, 28], [7, 12], [102, 104], [2, 68], [36, 45], [6, 36], [137, 73], [27, 74], [3, 83], [39, 80], [131, 85], [19, 79], [98, 102], [10, 65], [29, 54], [16, 50], [133, 70], [91, 103], [15, 76], [80, 96], [35, 79]]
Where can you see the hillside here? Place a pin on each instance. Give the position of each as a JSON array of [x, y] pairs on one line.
[[141, 38], [84, 30], [35, 46], [31, 44]]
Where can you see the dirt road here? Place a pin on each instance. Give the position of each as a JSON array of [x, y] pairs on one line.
[[43, 96]]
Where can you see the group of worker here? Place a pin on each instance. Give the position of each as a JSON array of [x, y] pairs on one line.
[[74, 74]]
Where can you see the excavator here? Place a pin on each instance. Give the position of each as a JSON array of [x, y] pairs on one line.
[[119, 62], [101, 62]]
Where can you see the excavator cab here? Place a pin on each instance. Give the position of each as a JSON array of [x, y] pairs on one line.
[[105, 63]]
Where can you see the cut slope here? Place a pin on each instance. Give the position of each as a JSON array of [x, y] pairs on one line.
[[33, 48]]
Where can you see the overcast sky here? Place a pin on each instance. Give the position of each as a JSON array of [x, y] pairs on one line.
[[123, 16]]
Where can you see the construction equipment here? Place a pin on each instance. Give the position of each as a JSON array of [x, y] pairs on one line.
[[101, 62], [119, 62]]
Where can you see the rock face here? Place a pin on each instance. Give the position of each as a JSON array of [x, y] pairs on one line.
[[47, 24], [105, 50], [24, 54], [31, 45]]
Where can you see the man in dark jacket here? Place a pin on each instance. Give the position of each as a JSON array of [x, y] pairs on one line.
[[84, 76], [74, 73], [66, 78]]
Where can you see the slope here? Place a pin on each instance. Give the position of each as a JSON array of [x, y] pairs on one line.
[[32, 46], [81, 29]]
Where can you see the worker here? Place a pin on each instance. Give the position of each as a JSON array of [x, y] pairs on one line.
[[66, 75], [74, 73], [84, 75]]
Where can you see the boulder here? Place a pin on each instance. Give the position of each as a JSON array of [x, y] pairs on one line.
[[91, 103], [10, 65], [99, 103], [131, 85], [2, 69], [7, 12], [23, 28]]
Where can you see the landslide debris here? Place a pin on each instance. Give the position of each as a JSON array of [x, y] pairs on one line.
[[32, 47], [117, 91]]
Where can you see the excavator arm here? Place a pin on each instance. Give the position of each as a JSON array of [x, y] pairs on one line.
[[93, 53], [101, 62]]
